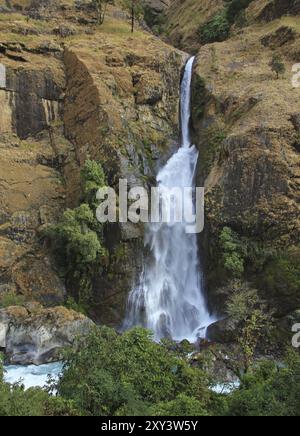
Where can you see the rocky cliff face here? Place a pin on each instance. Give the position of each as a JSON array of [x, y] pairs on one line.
[[32, 149], [34, 335], [246, 126], [71, 91]]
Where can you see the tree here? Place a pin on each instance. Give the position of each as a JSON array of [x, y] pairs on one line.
[[216, 29], [100, 6], [16, 401], [135, 9], [277, 64], [251, 323], [183, 405], [77, 240], [124, 375], [270, 390]]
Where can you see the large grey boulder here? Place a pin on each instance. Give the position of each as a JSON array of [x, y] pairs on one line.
[[222, 331], [34, 335]]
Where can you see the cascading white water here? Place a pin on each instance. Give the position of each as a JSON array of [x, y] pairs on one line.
[[169, 298]]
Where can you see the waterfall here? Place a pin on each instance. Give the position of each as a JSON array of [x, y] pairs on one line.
[[169, 298]]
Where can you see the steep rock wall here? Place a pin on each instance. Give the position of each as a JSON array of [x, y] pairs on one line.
[[32, 193], [245, 124]]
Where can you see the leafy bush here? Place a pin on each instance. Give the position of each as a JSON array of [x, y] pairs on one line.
[[72, 304], [113, 374], [233, 256], [16, 401], [93, 178], [280, 279], [270, 390], [183, 405], [277, 65], [11, 299], [215, 30], [76, 237], [77, 241], [252, 324], [156, 21]]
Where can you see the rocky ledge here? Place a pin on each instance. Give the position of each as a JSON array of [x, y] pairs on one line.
[[31, 334]]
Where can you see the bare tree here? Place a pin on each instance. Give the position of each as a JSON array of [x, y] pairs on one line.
[[101, 7]]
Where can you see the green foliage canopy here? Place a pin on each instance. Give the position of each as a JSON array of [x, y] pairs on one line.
[[113, 374]]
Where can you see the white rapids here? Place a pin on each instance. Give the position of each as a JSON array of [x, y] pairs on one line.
[[31, 375], [169, 298]]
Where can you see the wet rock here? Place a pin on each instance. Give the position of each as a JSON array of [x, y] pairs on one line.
[[34, 335], [222, 332]]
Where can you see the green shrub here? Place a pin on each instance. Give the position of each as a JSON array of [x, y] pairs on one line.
[[183, 405], [215, 30], [113, 373], [72, 304], [233, 255], [11, 299], [270, 390], [277, 65], [280, 280], [156, 21], [77, 241], [251, 322], [76, 237], [93, 178]]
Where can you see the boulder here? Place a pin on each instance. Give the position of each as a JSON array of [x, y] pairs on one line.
[[221, 331], [35, 335]]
